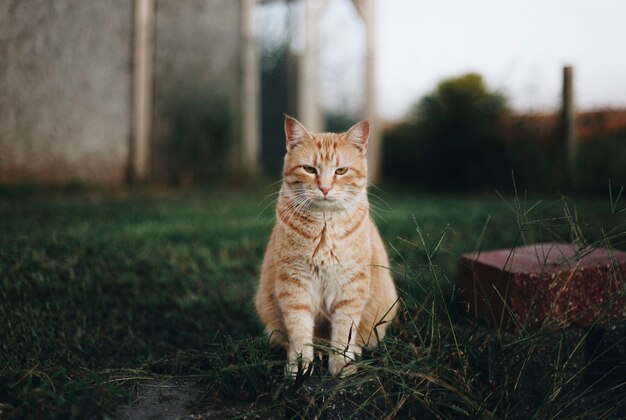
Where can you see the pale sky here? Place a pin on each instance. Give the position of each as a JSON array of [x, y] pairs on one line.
[[520, 47]]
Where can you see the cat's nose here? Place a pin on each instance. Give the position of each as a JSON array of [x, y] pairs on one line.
[[324, 190]]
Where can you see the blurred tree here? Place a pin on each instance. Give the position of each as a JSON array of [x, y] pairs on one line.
[[600, 160], [535, 151], [453, 139], [197, 146], [276, 65], [337, 121]]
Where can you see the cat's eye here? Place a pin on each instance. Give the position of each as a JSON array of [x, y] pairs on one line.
[[341, 171], [309, 169]]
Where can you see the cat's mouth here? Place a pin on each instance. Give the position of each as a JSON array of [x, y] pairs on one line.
[[325, 199], [327, 203]]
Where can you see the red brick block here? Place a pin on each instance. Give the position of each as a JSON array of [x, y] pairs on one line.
[[553, 284]]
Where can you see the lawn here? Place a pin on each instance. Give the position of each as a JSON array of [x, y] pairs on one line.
[[102, 291]]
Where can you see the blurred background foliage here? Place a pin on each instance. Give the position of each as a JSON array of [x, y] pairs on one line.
[[197, 146], [601, 159], [452, 139], [464, 137], [277, 66]]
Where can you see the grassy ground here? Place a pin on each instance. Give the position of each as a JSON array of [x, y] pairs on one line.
[[99, 292]]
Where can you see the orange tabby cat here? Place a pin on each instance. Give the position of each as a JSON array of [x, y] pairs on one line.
[[325, 272]]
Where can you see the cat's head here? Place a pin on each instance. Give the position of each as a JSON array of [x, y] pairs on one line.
[[325, 171]]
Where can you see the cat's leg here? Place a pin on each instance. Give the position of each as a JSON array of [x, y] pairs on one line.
[[299, 323], [299, 320], [275, 331], [344, 333], [345, 318], [380, 309], [269, 312]]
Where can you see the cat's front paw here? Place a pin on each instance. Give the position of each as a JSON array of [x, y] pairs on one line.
[[342, 365], [301, 365]]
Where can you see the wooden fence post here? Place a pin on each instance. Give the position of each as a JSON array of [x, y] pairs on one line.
[[250, 122], [568, 120], [143, 70], [309, 112], [366, 9]]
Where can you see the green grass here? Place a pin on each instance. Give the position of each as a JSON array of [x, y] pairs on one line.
[[99, 291]]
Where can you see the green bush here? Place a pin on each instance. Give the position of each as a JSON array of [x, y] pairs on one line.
[[462, 137], [601, 160], [452, 140], [535, 153]]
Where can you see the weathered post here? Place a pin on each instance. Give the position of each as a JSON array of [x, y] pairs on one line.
[[374, 149], [249, 92], [309, 112], [568, 120], [142, 89]]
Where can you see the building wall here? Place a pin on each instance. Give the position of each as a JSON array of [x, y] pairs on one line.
[[65, 78], [66, 89], [197, 88]]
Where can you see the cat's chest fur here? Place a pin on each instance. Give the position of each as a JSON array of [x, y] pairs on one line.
[[329, 252], [328, 260]]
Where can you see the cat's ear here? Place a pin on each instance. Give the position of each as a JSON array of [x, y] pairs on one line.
[[295, 132], [358, 135]]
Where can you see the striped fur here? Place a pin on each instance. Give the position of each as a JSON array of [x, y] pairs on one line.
[[324, 272]]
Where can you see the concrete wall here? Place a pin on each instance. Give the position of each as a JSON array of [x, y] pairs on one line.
[[66, 84], [65, 78], [197, 84]]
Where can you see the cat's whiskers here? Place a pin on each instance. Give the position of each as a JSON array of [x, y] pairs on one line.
[[350, 205], [296, 194], [292, 203], [377, 211], [273, 201], [371, 194], [298, 201], [372, 207], [302, 206], [270, 195]]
